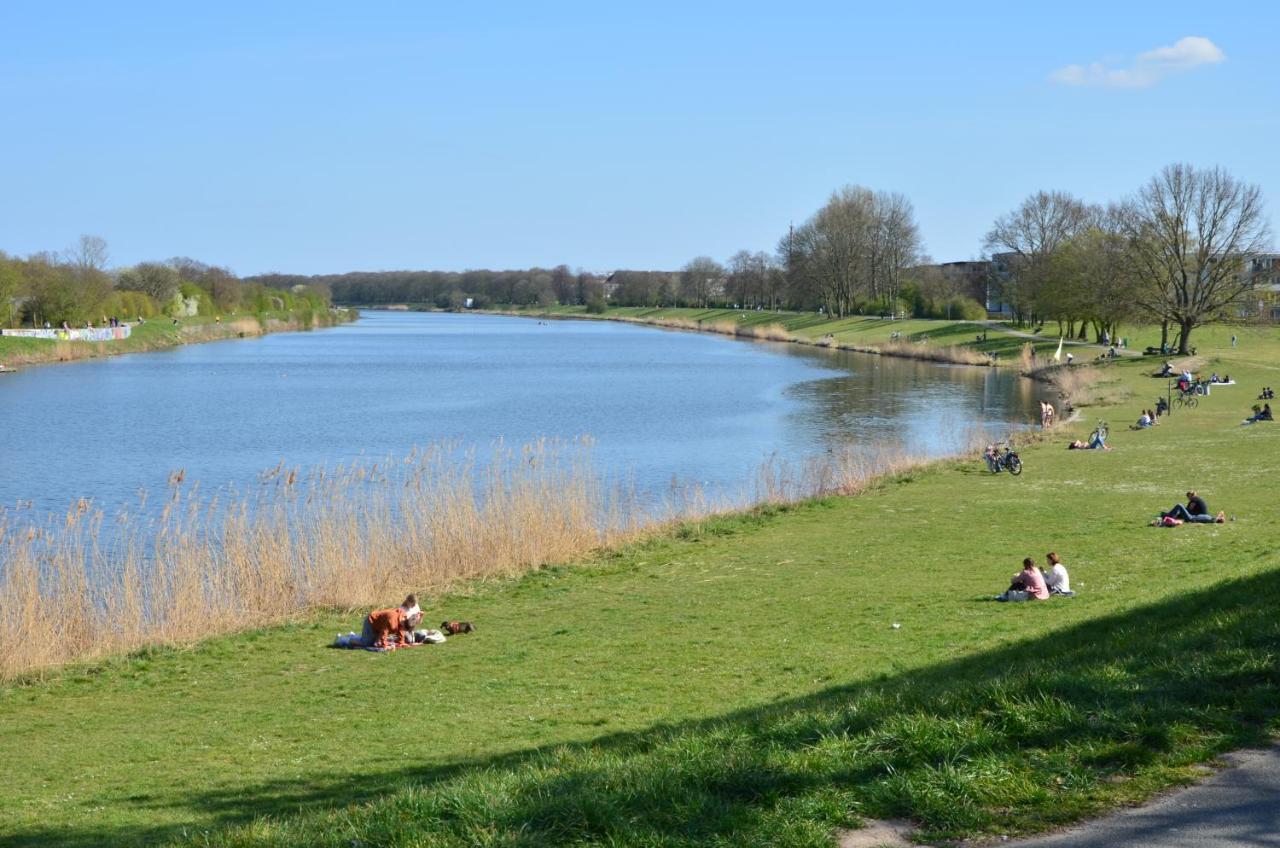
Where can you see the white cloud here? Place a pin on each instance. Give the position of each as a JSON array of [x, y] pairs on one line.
[[1147, 69]]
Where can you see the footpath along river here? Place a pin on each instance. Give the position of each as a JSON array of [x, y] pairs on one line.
[[663, 408]]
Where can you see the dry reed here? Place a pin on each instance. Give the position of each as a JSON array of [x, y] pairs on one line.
[[71, 590], [953, 354]]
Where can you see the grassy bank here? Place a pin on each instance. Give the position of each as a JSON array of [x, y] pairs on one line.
[[737, 681], [959, 342], [162, 334]]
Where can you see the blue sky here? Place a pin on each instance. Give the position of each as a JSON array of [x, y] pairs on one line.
[[315, 137]]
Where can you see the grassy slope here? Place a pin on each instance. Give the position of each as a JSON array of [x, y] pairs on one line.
[[855, 330], [155, 334], [741, 685]]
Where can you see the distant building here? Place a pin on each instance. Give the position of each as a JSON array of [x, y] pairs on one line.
[[611, 285], [1264, 271], [999, 273]]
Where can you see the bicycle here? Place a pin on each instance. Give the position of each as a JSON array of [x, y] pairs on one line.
[[1187, 399], [997, 461]]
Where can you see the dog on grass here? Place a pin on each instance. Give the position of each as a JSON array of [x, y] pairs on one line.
[[453, 628]]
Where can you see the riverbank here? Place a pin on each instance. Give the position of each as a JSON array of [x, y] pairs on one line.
[[163, 334], [736, 680], [953, 342]]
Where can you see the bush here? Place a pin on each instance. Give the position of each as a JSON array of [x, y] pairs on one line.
[[127, 305], [596, 306]]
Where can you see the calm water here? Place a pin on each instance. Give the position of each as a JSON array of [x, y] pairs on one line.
[[660, 405]]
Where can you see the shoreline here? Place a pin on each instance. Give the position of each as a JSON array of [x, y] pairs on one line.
[[158, 334], [774, 332]]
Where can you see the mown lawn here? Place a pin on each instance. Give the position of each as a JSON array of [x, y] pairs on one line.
[[737, 683]]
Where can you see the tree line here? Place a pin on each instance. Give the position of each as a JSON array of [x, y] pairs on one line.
[[76, 287], [1177, 252], [859, 252]]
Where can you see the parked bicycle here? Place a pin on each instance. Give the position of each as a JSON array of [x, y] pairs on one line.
[[998, 460]]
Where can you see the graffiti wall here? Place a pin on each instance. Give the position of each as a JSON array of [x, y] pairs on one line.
[[97, 334]]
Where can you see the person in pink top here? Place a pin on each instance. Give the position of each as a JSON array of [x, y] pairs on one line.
[[1028, 584]]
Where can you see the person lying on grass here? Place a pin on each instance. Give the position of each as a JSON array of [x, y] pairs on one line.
[[1056, 578], [1096, 442], [385, 627], [1027, 585], [1196, 511]]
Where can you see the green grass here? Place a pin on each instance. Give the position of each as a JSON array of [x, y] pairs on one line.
[[1003, 340], [735, 683]]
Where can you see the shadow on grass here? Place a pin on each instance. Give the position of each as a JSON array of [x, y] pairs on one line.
[[1025, 737]]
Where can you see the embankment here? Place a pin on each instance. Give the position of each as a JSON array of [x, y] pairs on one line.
[[860, 334], [162, 334]]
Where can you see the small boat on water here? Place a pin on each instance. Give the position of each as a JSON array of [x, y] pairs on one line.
[[8, 370]]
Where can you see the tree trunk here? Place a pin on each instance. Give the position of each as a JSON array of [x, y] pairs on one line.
[[1164, 333], [1184, 337]]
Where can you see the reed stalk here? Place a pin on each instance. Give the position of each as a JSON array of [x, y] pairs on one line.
[[79, 589]]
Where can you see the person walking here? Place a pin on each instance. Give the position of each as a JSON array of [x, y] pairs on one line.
[[1233, 339]]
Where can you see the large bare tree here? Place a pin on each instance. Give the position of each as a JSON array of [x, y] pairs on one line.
[[1032, 234], [896, 245], [1191, 232]]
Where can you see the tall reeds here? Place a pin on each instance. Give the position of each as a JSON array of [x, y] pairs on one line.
[[194, 567]]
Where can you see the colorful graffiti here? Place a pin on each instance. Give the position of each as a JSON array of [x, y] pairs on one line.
[[87, 334]]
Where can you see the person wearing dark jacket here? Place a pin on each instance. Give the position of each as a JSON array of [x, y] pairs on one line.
[[1196, 510]]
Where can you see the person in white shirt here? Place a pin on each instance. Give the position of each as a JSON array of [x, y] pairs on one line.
[[1056, 578]]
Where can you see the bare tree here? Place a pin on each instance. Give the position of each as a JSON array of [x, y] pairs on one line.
[[833, 249], [897, 245], [1191, 234], [88, 255], [699, 280], [1031, 234]]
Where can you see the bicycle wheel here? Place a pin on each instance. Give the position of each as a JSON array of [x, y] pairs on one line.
[[1015, 465], [1193, 402], [1179, 402]]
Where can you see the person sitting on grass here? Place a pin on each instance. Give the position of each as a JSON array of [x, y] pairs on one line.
[[1027, 585], [1162, 406], [1267, 394], [1144, 421], [1262, 413], [385, 627], [1056, 578], [1196, 511]]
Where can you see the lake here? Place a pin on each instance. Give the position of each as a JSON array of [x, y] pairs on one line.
[[665, 408]]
